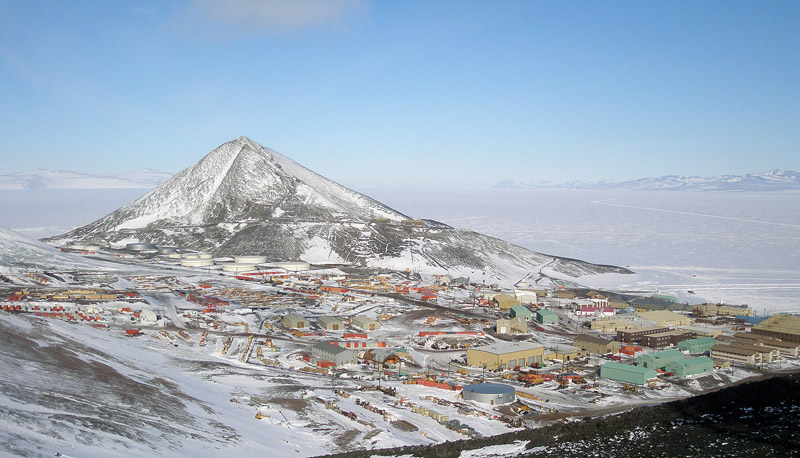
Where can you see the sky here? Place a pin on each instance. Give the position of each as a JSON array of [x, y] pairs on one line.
[[396, 93]]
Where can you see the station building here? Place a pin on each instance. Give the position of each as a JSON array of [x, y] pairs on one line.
[[659, 359], [627, 373], [329, 352], [699, 345], [520, 311], [330, 323], [545, 316], [690, 366], [596, 345], [294, 321], [365, 323], [783, 327], [505, 354]]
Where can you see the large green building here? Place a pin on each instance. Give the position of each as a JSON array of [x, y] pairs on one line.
[[690, 366], [626, 373], [699, 345], [659, 359], [520, 311], [545, 316]]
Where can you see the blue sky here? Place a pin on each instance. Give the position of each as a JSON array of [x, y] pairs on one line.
[[405, 93]]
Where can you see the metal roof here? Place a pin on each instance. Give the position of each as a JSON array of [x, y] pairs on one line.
[[508, 347]]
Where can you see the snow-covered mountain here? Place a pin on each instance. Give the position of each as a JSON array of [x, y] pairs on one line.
[[773, 180], [60, 179], [243, 198]]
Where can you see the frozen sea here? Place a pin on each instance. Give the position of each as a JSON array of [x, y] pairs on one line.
[[732, 247]]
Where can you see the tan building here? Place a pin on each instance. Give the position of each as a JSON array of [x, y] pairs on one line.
[[734, 310], [699, 330], [665, 318], [741, 353], [596, 345], [505, 354], [564, 294], [610, 325], [511, 326], [706, 310], [565, 352], [504, 301], [597, 295], [783, 327], [785, 348]]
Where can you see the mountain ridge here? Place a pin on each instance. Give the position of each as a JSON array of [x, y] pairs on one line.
[[37, 179], [770, 181]]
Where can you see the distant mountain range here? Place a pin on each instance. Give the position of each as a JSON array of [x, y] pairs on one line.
[[773, 180], [61, 179], [243, 198]]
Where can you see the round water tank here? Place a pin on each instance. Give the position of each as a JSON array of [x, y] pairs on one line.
[[250, 259], [223, 259], [204, 256], [174, 256], [489, 393], [167, 249], [294, 266], [190, 256], [196, 262], [140, 246], [238, 267]]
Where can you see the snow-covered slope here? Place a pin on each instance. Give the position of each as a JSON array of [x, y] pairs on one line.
[[85, 392], [773, 180], [18, 251], [60, 179], [243, 198]]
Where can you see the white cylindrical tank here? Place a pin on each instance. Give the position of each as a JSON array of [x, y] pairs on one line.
[[250, 259], [238, 267], [204, 256], [196, 262], [91, 247], [174, 256], [190, 256]]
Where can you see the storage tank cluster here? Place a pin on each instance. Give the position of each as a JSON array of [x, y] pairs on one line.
[[489, 393]]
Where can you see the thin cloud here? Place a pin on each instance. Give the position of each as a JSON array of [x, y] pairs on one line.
[[276, 16]]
